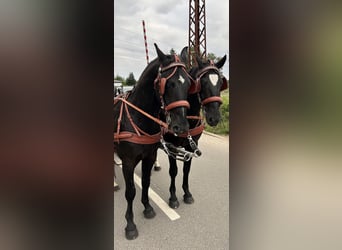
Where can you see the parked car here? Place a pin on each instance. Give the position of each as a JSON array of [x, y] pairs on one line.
[[127, 88], [118, 88]]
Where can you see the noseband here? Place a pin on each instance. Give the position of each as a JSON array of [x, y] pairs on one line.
[[160, 83]]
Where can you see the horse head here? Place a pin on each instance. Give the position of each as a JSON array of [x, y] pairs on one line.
[[172, 86], [209, 82]]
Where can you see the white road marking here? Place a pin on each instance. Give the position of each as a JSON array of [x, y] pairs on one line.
[[172, 214], [213, 79]]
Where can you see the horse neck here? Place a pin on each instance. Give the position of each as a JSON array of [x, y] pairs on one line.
[[143, 95], [195, 108]]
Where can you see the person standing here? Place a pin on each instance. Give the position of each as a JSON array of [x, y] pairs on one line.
[[117, 161]]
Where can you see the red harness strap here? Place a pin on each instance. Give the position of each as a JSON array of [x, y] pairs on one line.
[[194, 131], [139, 136], [212, 99], [135, 138], [176, 104]]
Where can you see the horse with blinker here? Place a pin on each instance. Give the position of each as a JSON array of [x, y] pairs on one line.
[[163, 86], [205, 95]]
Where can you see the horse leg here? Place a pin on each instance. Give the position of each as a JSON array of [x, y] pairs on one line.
[[147, 165], [173, 201], [131, 229], [188, 199]]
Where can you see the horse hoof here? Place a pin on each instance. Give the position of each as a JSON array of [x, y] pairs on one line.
[[173, 204], [131, 234], [149, 213], [157, 168], [188, 199]]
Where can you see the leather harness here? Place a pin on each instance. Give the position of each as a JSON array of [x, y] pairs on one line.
[[140, 136], [196, 88]]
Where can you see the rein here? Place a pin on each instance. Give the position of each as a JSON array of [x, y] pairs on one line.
[[156, 120], [138, 136]]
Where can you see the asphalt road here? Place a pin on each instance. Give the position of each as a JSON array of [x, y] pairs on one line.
[[202, 225]]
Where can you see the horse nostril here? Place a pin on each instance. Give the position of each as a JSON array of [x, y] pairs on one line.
[[175, 129], [213, 121]]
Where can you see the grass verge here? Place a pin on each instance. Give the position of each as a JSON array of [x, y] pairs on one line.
[[222, 127]]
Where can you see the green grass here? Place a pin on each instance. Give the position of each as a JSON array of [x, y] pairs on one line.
[[222, 127]]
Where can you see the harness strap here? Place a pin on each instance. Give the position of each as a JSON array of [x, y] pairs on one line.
[[193, 117], [134, 138], [120, 117], [172, 65], [177, 104], [139, 136], [135, 127], [163, 80], [194, 131], [212, 99], [156, 120], [201, 72]]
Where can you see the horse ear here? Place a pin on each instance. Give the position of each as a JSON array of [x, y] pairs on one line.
[[160, 54], [199, 62], [220, 63], [184, 55]]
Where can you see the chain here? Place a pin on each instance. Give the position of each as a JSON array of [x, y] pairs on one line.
[[179, 153]]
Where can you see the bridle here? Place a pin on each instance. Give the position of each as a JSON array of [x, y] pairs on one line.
[[196, 87], [160, 83], [180, 153]]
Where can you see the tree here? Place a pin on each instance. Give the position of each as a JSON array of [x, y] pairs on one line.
[[130, 80], [120, 78], [212, 56]]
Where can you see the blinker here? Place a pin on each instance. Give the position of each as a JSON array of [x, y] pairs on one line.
[[224, 84]]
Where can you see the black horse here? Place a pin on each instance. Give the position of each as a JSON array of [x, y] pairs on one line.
[[163, 85], [206, 96]]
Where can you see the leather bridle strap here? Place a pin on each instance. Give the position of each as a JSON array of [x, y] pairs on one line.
[[162, 83], [212, 99], [203, 71], [177, 104], [173, 65], [194, 117], [160, 122]]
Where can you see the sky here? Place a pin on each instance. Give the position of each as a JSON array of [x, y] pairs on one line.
[[167, 25]]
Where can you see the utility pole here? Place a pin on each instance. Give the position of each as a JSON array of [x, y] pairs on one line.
[[145, 40], [197, 30]]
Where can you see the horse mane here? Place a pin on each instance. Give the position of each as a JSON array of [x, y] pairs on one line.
[[151, 71]]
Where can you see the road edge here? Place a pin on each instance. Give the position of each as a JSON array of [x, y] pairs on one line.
[[215, 135]]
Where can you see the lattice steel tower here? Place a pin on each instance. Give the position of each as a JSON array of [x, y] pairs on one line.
[[197, 31]]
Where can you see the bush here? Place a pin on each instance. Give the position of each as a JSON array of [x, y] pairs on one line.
[[223, 126]]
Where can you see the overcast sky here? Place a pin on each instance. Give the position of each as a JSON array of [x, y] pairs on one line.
[[167, 25]]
